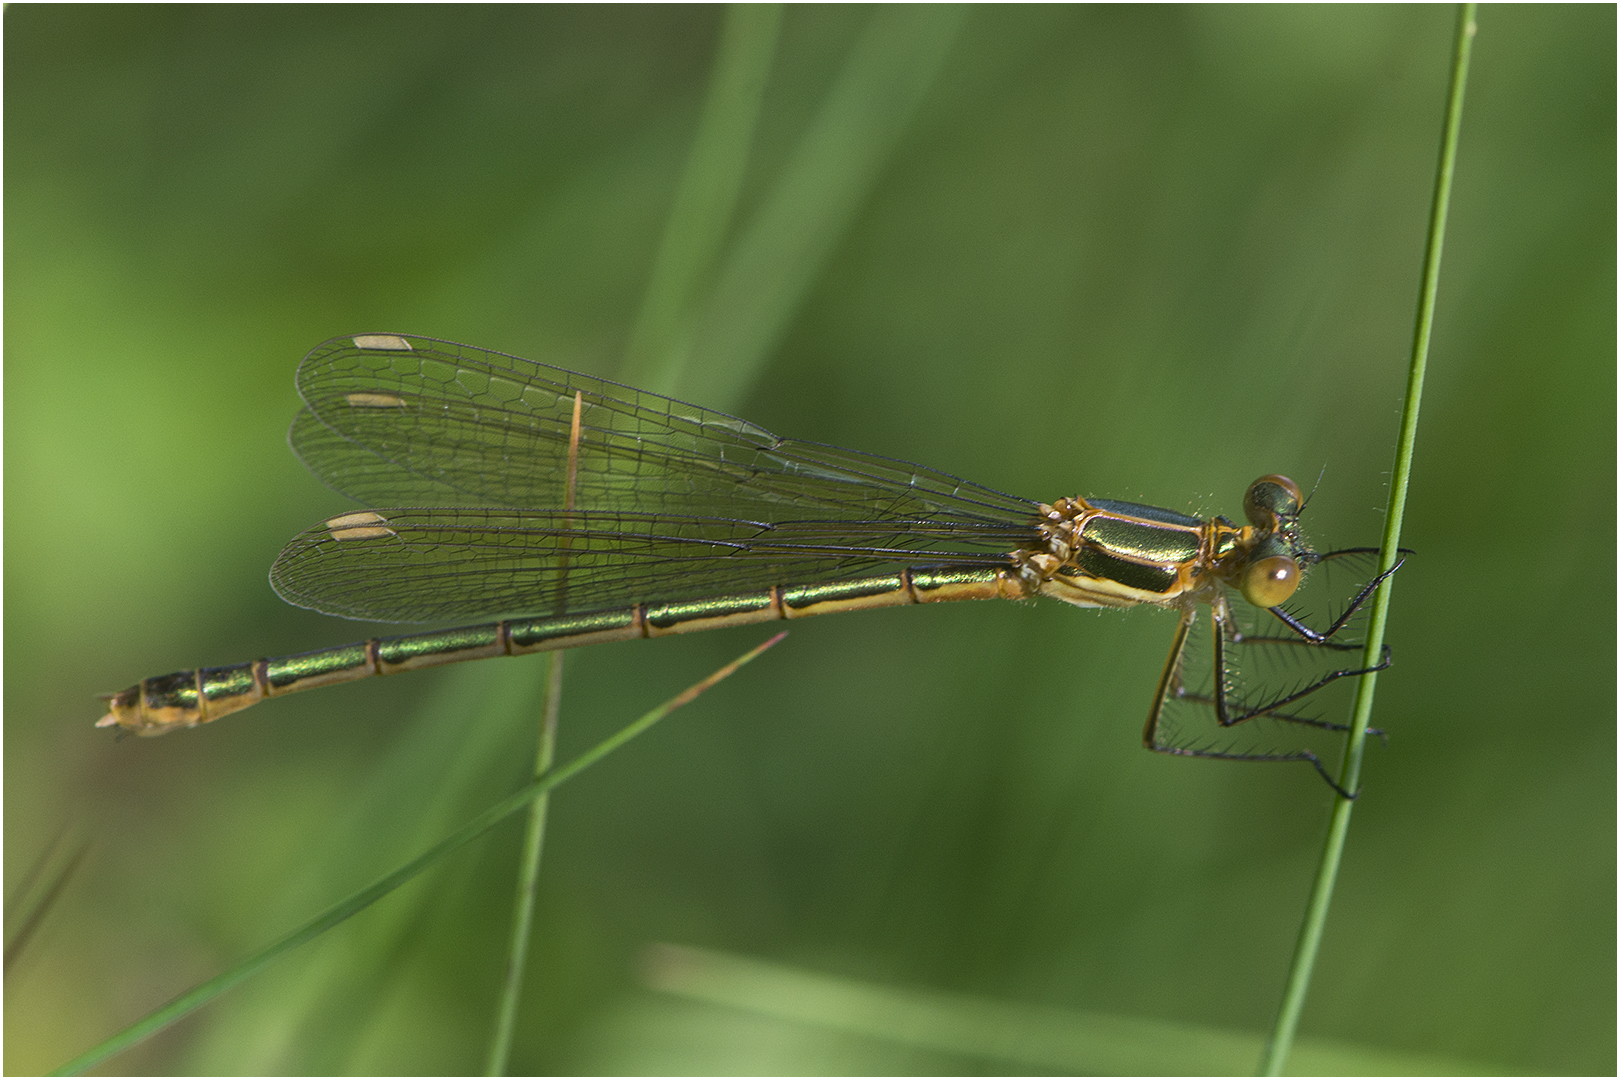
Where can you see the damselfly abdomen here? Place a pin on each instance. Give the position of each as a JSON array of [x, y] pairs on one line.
[[577, 510]]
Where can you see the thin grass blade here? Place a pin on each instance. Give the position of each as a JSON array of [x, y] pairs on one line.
[[40, 889], [200, 995]]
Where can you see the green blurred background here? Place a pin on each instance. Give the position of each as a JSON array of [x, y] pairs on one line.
[[1142, 253]]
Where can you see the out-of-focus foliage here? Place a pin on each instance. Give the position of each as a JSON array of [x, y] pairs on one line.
[[1143, 253]]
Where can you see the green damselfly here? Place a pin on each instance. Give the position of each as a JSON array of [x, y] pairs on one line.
[[586, 511]]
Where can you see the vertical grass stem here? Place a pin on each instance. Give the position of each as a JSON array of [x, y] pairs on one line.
[[534, 835], [534, 838], [1310, 933]]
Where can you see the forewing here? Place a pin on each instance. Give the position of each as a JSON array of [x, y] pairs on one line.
[[406, 420]]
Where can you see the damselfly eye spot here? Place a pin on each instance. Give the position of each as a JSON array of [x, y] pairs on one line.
[[1269, 582], [1270, 496]]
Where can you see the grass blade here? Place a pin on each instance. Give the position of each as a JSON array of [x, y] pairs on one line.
[[200, 995], [39, 891], [705, 199], [705, 204], [1310, 933], [534, 839], [1033, 1038], [781, 252]]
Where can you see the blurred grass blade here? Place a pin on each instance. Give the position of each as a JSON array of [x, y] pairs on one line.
[[41, 887], [1025, 1037], [528, 877], [705, 203], [1310, 932], [706, 198], [200, 995], [782, 250], [432, 777]]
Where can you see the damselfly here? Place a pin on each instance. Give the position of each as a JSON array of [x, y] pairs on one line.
[[579, 511]]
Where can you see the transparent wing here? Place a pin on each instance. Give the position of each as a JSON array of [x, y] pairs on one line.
[[459, 562], [396, 420]]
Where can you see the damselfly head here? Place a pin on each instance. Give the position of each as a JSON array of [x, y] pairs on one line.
[[1270, 570]]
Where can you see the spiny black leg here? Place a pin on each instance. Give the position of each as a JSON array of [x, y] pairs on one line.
[[1269, 709], [1342, 552], [1338, 624], [1301, 755], [1224, 713], [1222, 682], [1240, 638], [1169, 680], [1385, 657], [1228, 712], [1348, 796], [1287, 718]]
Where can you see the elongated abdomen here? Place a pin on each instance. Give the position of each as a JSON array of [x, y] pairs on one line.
[[188, 698]]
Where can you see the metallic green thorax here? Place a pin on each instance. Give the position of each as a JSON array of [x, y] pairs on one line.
[[1141, 541], [1105, 553]]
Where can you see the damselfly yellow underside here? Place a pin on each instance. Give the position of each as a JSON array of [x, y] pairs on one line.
[[578, 510]]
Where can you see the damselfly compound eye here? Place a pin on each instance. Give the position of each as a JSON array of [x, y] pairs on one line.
[[1271, 495], [1269, 582]]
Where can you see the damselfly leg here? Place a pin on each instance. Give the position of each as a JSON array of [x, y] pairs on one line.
[[1248, 695]]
